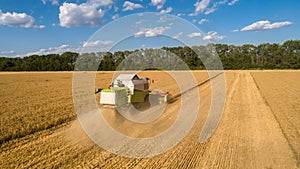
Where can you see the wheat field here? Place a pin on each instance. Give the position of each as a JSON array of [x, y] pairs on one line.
[[259, 129]]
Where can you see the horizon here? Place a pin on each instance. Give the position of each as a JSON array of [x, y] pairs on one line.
[[141, 48]]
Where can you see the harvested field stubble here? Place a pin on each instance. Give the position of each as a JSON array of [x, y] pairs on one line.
[[259, 127]]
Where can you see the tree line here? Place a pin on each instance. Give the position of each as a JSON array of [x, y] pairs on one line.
[[247, 56]]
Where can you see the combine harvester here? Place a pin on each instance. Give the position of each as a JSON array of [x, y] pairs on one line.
[[130, 89]]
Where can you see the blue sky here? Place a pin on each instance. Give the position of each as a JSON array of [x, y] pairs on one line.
[[55, 26]]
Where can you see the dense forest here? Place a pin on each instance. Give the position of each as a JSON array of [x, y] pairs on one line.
[[247, 56]]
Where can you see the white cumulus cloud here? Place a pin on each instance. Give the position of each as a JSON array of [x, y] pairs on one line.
[[158, 3], [97, 43], [232, 2], [202, 21], [7, 52], [265, 25], [16, 19], [180, 14], [212, 35], [53, 50], [194, 34], [151, 32], [39, 26], [129, 6], [168, 10], [210, 10], [222, 2], [177, 35], [101, 2], [165, 18], [96, 46], [72, 15], [53, 2], [201, 6]]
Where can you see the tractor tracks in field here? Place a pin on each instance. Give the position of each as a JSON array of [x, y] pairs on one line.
[[248, 136], [217, 154], [269, 141], [292, 149]]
